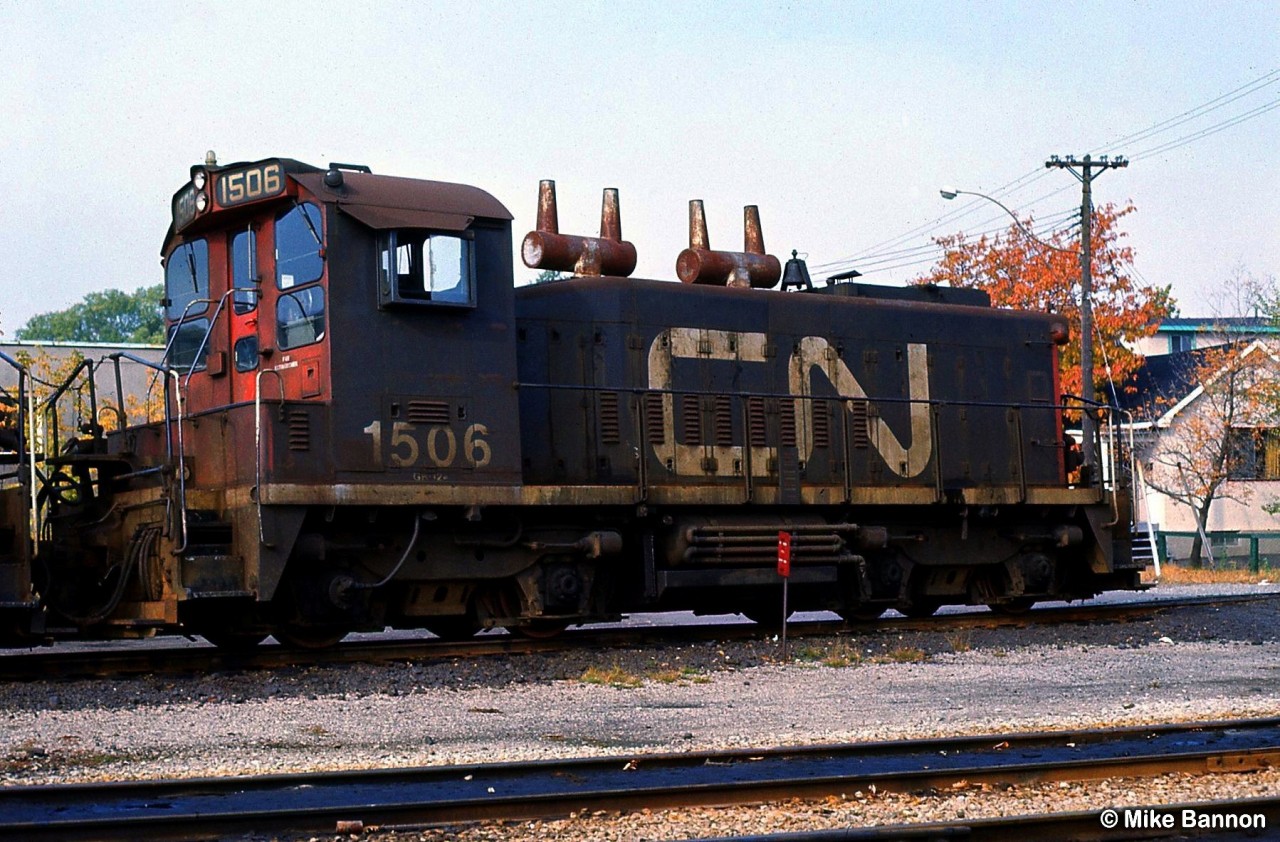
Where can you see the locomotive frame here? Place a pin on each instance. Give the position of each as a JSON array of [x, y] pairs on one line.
[[367, 424]]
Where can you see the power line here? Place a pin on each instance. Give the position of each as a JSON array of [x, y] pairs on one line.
[[887, 247], [927, 255], [1045, 228], [1227, 98], [1209, 130], [975, 205]]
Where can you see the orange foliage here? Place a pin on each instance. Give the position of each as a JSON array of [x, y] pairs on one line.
[[1019, 272]]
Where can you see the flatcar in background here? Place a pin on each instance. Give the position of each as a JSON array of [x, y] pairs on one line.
[[366, 424]]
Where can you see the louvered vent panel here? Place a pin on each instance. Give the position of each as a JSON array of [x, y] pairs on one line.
[[429, 412], [858, 423], [787, 421], [610, 424], [724, 421], [299, 429], [653, 422], [691, 419], [757, 432], [821, 424]]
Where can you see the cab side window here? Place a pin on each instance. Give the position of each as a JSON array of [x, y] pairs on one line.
[[300, 305], [423, 267]]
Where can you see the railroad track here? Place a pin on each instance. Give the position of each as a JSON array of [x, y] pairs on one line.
[[128, 658], [328, 802]]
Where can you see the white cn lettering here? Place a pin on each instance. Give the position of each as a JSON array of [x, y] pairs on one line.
[[815, 352]]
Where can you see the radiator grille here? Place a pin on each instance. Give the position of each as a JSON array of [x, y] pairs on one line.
[[858, 424], [653, 422], [691, 419], [429, 412], [757, 429], [821, 424], [610, 424], [787, 421], [299, 429], [724, 421]]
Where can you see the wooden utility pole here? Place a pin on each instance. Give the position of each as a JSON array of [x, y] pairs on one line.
[[1087, 174]]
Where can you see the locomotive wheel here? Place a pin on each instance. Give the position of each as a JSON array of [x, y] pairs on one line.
[[768, 615], [453, 628], [232, 641], [1013, 607], [862, 614], [309, 637], [539, 629], [918, 609]]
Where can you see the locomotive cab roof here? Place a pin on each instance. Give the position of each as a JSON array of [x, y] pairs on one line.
[[377, 201]]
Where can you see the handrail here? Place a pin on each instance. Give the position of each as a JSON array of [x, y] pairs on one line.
[[213, 321], [182, 461], [57, 394], [125, 355], [257, 442], [26, 444], [178, 391]]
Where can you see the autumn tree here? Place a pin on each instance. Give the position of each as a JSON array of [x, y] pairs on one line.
[[1219, 427], [1020, 271]]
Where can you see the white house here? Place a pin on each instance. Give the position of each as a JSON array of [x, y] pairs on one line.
[[1188, 405]]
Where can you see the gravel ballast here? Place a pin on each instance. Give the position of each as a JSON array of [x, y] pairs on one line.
[[1189, 664]]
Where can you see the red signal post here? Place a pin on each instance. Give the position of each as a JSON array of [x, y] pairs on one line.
[[784, 554]]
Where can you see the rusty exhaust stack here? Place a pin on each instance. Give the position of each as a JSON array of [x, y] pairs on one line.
[[547, 248], [751, 267]]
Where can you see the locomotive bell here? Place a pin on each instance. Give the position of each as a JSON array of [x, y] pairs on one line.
[[796, 274]]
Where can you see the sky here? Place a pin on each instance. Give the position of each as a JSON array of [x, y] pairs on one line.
[[839, 120]]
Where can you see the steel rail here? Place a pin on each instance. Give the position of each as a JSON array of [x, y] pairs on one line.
[[127, 658], [319, 802]]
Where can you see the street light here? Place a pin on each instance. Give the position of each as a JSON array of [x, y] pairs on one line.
[[951, 193], [1086, 326]]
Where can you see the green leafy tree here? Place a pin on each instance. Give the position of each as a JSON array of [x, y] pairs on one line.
[[108, 316], [547, 276]]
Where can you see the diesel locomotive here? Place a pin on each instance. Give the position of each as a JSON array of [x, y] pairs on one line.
[[365, 423]]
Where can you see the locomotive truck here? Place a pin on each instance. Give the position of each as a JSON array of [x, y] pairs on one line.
[[362, 422]]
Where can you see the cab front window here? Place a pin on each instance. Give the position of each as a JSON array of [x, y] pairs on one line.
[[186, 279], [188, 347], [299, 237], [300, 316]]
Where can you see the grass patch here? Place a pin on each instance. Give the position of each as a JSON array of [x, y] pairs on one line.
[[903, 655], [1174, 574], [960, 641], [614, 676], [839, 654], [670, 675]]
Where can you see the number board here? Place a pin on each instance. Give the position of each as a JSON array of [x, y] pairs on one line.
[[184, 207], [249, 183]]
